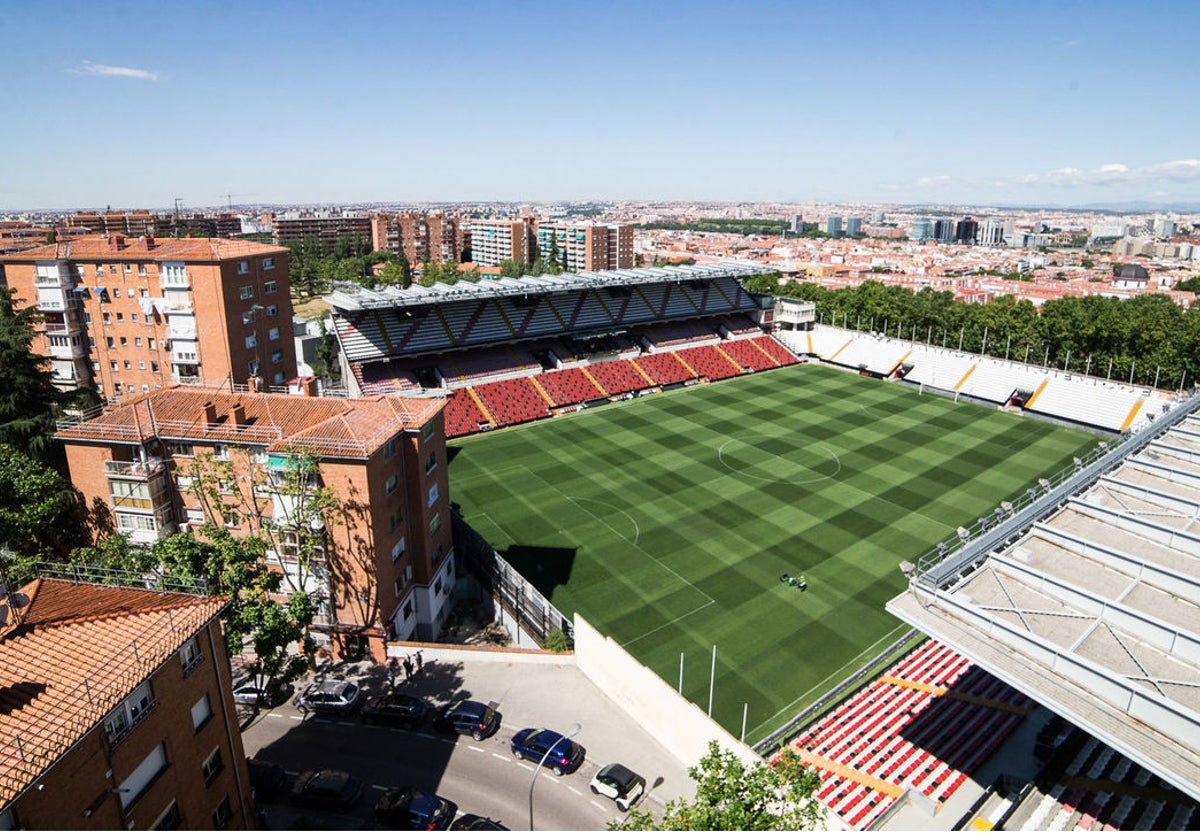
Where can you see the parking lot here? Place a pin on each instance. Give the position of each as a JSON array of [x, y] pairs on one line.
[[481, 778]]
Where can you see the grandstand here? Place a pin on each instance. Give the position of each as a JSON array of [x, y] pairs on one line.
[[526, 348], [1089, 401], [1089, 599]]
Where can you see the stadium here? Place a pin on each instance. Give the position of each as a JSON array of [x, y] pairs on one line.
[[895, 555]]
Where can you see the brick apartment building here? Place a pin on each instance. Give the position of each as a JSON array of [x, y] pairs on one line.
[[496, 240], [132, 315], [116, 712], [114, 222], [420, 237], [326, 227], [384, 566], [583, 246]]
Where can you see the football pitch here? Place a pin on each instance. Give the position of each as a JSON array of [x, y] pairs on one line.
[[667, 521]]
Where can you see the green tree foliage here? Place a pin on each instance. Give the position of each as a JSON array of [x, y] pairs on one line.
[[313, 264], [771, 227], [29, 402], [1192, 284], [731, 796], [37, 507], [448, 272], [1146, 337]]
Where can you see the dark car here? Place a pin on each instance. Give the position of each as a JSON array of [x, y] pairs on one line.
[[266, 778], [468, 717], [332, 789], [562, 754], [396, 710], [618, 783], [336, 697], [407, 807], [474, 822]]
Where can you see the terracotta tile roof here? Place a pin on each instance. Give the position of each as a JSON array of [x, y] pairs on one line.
[[331, 426], [135, 249], [67, 659]]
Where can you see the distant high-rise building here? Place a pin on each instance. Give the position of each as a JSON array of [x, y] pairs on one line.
[[877, 217], [797, 223], [584, 246], [833, 225], [420, 237], [943, 230], [966, 230], [327, 227], [1164, 228], [495, 240], [990, 233], [854, 225], [921, 230]]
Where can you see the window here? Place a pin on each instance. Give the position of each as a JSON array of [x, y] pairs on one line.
[[137, 342], [87, 317], [154, 367], [133, 317], [201, 712], [133, 785], [222, 815], [268, 263], [277, 357], [232, 520], [273, 334], [145, 388], [141, 365], [272, 310], [111, 342], [128, 365], [389, 448], [269, 287], [277, 379], [124, 341], [132, 709], [176, 447], [107, 317], [430, 463], [251, 342], [246, 292], [392, 483], [248, 317], [221, 451], [252, 366], [114, 366], [243, 267], [212, 766], [408, 609], [189, 655], [398, 550], [396, 519], [150, 343], [435, 523], [169, 820], [427, 431], [433, 495], [142, 269], [120, 317]]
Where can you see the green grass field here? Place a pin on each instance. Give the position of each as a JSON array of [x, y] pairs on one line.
[[666, 521]]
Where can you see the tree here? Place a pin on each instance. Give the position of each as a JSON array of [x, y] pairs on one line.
[[38, 508], [733, 797], [29, 402]]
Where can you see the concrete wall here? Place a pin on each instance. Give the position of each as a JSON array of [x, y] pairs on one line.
[[678, 724]]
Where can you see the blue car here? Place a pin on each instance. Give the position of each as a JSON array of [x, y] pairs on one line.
[[534, 744]]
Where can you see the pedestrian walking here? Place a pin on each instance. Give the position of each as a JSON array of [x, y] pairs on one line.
[[408, 669], [393, 672], [418, 660]]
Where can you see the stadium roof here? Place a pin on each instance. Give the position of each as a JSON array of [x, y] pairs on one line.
[[352, 298], [1088, 600]]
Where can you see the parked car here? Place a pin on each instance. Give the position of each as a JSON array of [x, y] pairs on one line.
[[396, 710], [250, 693], [336, 697], [407, 807], [266, 778], [332, 789], [474, 822], [618, 783], [468, 717], [562, 754]]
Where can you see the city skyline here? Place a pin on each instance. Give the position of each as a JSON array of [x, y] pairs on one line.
[[1065, 104]]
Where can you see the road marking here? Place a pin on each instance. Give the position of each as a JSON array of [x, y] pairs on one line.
[[344, 722], [576, 792], [378, 787], [598, 805], [501, 757], [274, 714], [296, 717], [476, 749]]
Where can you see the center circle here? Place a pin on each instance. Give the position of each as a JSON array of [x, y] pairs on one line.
[[779, 459]]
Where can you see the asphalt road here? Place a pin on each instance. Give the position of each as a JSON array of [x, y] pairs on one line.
[[480, 777]]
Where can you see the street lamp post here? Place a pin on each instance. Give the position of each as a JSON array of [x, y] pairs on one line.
[[575, 727]]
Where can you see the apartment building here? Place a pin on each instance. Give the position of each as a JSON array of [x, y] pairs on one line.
[[132, 315], [495, 240], [379, 562], [327, 227], [421, 237], [584, 246], [117, 712], [114, 222]]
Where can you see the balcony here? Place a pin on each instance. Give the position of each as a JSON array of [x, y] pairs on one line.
[[176, 306], [136, 470], [177, 279], [48, 301], [185, 331], [187, 356]]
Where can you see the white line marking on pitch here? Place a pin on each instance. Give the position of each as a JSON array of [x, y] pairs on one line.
[[637, 532]]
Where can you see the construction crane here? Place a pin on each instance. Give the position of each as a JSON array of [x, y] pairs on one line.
[[229, 197]]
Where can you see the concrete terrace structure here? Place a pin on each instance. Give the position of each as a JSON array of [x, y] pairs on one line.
[[130, 316], [116, 712], [1086, 596], [384, 563]]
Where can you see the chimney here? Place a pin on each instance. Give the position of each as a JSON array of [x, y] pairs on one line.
[[210, 413], [117, 242], [238, 412], [311, 386], [254, 384], [149, 240]]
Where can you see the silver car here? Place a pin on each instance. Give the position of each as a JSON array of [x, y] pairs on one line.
[[339, 698]]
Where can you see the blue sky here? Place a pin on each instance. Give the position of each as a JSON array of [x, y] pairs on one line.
[[1056, 103]]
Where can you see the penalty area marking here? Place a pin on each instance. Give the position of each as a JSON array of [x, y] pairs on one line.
[[837, 469]]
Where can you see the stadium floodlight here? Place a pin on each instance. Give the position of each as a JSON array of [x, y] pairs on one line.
[[1032, 494], [963, 534], [983, 523], [1008, 507], [1078, 463], [942, 548], [999, 513], [1044, 484], [907, 569]]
